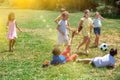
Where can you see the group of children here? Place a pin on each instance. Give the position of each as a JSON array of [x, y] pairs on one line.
[[85, 25]]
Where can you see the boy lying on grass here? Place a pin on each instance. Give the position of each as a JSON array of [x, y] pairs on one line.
[[106, 61], [61, 58]]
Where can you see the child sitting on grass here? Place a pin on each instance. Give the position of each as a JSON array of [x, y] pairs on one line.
[[61, 58], [105, 61]]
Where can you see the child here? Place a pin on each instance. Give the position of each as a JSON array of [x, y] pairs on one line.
[[105, 61], [64, 57], [97, 27], [12, 35], [85, 25], [60, 16], [62, 27], [59, 58]]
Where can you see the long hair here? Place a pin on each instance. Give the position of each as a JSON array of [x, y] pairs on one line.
[[10, 16]]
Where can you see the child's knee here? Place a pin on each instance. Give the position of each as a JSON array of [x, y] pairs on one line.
[[74, 57]]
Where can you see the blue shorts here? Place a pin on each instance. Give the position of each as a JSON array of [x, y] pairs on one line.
[[97, 30]]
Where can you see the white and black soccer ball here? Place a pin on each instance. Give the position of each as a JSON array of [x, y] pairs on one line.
[[104, 46]]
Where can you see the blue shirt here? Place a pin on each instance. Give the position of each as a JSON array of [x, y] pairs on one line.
[[58, 59]]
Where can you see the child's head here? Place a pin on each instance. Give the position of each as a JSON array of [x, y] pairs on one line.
[[65, 15], [56, 51], [97, 14], [62, 10], [86, 13], [11, 16], [113, 51]]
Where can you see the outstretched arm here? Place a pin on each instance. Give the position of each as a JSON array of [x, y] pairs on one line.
[[101, 17], [18, 27], [79, 26]]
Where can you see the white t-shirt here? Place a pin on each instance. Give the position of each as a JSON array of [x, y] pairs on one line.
[[106, 60], [97, 22], [63, 26]]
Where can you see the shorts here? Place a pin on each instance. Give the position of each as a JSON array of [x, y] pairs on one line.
[[97, 30], [62, 39]]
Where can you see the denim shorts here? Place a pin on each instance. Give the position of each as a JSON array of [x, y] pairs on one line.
[[97, 30]]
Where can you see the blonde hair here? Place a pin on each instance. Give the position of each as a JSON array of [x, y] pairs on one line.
[[10, 16], [86, 11], [62, 9], [65, 13], [97, 13]]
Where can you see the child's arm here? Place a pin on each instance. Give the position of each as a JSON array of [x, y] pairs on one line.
[[57, 19], [101, 17], [68, 27], [60, 30], [18, 27], [91, 27], [79, 26]]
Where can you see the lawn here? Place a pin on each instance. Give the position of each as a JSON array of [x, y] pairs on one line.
[[35, 43]]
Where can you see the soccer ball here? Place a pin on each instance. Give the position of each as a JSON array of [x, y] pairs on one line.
[[104, 46]]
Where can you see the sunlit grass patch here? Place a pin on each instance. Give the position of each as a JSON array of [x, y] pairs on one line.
[[35, 43]]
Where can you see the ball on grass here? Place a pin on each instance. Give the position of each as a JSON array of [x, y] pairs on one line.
[[104, 46]]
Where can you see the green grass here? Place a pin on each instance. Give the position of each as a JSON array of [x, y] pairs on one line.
[[35, 43]]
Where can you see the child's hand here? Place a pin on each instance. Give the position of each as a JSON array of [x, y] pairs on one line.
[[20, 30], [76, 32]]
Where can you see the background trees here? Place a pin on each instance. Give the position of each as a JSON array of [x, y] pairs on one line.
[[111, 7]]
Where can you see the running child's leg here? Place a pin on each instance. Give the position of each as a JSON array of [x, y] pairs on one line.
[[10, 44]]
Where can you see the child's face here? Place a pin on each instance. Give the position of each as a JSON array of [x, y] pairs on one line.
[[97, 15], [87, 15], [65, 17]]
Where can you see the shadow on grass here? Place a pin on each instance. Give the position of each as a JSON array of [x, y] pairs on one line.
[[4, 51], [82, 54]]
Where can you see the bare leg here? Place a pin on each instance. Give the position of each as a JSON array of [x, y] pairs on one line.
[[10, 45], [83, 42], [87, 60], [87, 45], [13, 42], [96, 40]]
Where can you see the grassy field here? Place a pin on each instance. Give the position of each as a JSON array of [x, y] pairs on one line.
[[35, 43]]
